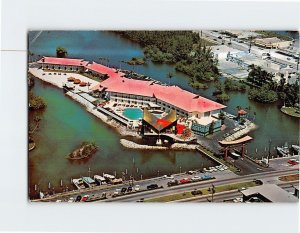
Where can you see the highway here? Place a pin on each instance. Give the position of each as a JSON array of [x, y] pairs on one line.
[[228, 196], [198, 185]]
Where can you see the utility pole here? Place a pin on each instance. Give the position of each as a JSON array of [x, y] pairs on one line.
[[89, 172], [269, 154]]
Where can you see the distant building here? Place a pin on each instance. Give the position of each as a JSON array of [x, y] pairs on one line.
[[62, 64], [222, 52], [272, 43], [241, 34], [268, 193]]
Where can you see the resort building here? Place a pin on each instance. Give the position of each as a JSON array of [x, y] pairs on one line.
[[200, 112], [273, 43], [62, 64], [197, 112]]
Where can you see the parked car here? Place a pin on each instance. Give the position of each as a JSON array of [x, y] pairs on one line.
[[206, 177], [78, 198], [129, 189], [137, 188], [85, 198], [152, 186], [191, 172], [123, 190], [185, 180], [196, 192], [172, 183], [292, 162], [168, 177], [196, 178]]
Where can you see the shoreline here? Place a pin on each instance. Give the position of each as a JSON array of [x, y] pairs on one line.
[[175, 146], [285, 111]]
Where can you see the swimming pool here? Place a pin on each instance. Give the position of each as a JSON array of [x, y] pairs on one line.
[[133, 113]]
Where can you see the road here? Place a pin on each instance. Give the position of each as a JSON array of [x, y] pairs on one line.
[[228, 196], [199, 185]]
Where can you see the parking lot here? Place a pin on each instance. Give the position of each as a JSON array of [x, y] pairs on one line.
[[128, 188]]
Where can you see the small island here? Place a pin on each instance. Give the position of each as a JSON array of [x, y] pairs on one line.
[[85, 150], [136, 61]]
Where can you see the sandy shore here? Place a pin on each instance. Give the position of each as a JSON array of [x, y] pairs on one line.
[[183, 146], [133, 145], [175, 146], [60, 80]]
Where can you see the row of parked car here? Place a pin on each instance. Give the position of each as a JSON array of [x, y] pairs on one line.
[[216, 168], [189, 180]]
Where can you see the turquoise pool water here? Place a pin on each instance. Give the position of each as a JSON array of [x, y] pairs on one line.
[[133, 113]]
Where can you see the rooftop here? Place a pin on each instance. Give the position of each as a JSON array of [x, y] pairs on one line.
[[63, 61], [183, 99], [157, 123], [112, 73], [272, 192]]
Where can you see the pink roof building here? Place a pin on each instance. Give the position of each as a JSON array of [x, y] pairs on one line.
[[101, 69], [63, 61], [170, 94]]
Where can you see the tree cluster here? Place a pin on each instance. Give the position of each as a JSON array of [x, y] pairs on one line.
[[267, 90], [185, 49]]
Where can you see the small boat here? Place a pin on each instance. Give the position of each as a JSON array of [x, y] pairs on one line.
[[89, 182], [283, 151], [100, 179], [109, 177], [78, 183], [296, 149]]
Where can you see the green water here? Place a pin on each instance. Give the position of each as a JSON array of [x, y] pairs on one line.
[[65, 124]]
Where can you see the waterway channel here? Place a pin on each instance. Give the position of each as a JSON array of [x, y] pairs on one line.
[[65, 123]]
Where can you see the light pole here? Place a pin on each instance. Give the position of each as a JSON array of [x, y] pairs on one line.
[[269, 154]]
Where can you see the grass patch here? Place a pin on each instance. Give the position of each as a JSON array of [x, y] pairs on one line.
[[289, 177], [205, 191]]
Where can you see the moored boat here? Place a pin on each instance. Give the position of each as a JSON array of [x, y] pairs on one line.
[[78, 183], [89, 182], [296, 149], [100, 179], [283, 151]]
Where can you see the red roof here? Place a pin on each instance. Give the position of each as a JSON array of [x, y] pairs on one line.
[[242, 112], [63, 61], [104, 70], [116, 83], [171, 94]]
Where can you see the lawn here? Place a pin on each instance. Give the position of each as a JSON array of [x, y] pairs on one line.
[[205, 191]]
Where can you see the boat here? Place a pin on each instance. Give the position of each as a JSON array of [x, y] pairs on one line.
[[78, 183], [89, 181], [235, 154], [117, 181], [100, 179], [283, 151], [109, 177], [296, 149]]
